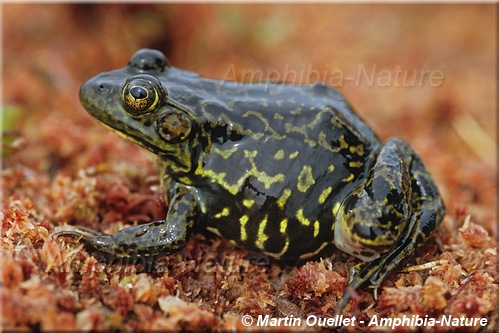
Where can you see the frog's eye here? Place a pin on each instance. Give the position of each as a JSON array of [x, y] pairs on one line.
[[142, 93], [174, 127]]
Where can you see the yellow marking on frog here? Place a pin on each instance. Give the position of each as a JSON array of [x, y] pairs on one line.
[[303, 220], [283, 226], [279, 155], [284, 249], [262, 176], [214, 230], [311, 254], [278, 116], [248, 203], [199, 169], [224, 212], [294, 155], [284, 197], [243, 220], [343, 143], [336, 208], [261, 237], [322, 139], [355, 164], [218, 177], [258, 136], [295, 112], [325, 193], [234, 188], [279, 255], [359, 150], [316, 120], [226, 154], [349, 178], [265, 121], [305, 129], [330, 168], [202, 207], [316, 228], [305, 179]]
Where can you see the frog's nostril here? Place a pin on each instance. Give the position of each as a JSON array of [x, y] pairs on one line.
[[102, 87]]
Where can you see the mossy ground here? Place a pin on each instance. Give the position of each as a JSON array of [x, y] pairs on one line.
[[61, 167]]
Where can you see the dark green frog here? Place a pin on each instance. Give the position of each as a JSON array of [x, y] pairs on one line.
[[280, 169]]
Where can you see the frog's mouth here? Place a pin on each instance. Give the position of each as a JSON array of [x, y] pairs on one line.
[[156, 146], [102, 100]]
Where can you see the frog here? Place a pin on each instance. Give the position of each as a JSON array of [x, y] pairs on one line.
[[282, 169]]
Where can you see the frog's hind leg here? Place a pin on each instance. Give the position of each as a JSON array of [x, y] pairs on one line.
[[427, 213]]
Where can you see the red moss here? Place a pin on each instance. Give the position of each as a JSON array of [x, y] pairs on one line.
[[51, 254], [15, 223], [474, 235], [11, 274], [184, 315], [92, 276], [313, 278], [120, 300], [91, 318], [401, 299], [450, 274], [434, 293], [144, 291], [67, 301]]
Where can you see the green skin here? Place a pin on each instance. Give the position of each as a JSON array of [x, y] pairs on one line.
[[279, 169]]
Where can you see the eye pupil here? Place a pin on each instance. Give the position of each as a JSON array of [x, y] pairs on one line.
[[138, 92]]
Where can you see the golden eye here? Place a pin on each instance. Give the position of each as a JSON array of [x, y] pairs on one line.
[[142, 93], [174, 127]]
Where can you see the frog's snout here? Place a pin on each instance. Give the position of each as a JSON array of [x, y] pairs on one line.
[[92, 89]]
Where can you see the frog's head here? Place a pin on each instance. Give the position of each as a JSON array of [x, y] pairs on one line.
[[133, 103]]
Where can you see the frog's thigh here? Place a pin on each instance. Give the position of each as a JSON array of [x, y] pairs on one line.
[[374, 216], [428, 211]]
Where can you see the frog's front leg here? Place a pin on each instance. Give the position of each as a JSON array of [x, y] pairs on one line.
[[150, 240], [410, 211]]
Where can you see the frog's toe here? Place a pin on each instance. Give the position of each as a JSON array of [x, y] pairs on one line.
[[90, 231], [80, 232], [360, 274], [95, 241], [69, 233], [354, 271]]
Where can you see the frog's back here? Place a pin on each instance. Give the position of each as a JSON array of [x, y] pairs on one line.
[[287, 155], [275, 107]]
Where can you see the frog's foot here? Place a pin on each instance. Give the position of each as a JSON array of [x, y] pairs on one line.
[[359, 275], [138, 244], [93, 240]]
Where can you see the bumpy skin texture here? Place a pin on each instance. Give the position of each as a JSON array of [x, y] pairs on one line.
[[281, 169]]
